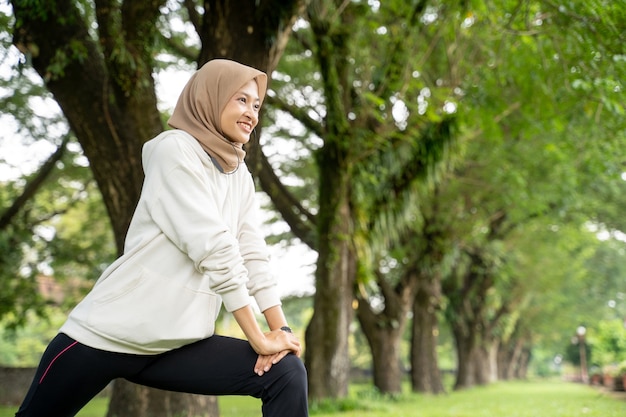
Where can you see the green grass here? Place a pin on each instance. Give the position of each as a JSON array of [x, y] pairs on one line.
[[510, 399]]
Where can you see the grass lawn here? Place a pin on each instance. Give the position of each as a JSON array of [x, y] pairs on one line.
[[506, 399]]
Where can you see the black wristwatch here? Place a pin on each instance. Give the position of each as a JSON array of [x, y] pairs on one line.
[[286, 329]]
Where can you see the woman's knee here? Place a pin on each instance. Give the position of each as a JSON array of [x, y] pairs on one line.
[[288, 392], [294, 372]]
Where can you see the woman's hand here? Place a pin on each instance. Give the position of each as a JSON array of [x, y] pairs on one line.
[[271, 346], [264, 362], [276, 338], [275, 342]]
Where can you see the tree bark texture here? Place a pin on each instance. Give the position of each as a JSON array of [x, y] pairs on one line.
[[106, 91], [248, 31], [327, 335], [384, 338], [513, 358], [486, 370], [467, 314], [509, 355], [425, 373], [384, 330], [465, 352], [521, 371], [129, 399]]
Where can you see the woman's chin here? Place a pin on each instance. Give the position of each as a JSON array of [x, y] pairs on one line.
[[240, 139]]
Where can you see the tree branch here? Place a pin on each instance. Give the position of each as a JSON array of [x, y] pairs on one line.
[[177, 48], [194, 16], [298, 113], [300, 220], [33, 186]]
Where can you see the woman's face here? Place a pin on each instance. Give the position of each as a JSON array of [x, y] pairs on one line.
[[241, 113]]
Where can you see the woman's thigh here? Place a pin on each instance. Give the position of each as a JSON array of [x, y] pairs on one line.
[[71, 374], [218, 365], [225, 366]]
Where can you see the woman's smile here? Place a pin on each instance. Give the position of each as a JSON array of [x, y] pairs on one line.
[[241, 113]]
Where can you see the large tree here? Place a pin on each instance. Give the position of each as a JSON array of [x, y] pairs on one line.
[[98, 60], [367, 162]]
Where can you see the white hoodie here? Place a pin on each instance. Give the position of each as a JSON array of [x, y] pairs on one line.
[[193, 242]]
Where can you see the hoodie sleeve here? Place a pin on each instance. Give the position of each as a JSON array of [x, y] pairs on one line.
[[262, 284], [183, 207]]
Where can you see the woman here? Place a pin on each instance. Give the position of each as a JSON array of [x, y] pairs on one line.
[[193, 244]]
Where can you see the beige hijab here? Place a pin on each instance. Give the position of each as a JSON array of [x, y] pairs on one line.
[[202, 101]]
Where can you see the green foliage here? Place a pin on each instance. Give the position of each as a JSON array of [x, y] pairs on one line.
[[75, 51], [532, 155], [363, 398], [39, 8], [537, 132], [63, 229], [608, 341], [17, 277], [23, 347]]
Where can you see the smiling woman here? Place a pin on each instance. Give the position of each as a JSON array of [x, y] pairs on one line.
[[241, 113], [201, 114], [194, 243]]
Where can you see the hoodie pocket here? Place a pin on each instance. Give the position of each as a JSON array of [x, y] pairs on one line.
[[153, 312]]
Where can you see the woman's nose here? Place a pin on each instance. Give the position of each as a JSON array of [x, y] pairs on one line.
[[252, 116]]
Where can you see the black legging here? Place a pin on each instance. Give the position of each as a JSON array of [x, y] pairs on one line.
[[71, 374]]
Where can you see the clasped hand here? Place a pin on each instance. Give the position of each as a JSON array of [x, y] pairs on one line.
[[276, 345]]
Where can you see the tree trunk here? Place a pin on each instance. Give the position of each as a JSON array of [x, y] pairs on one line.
[[130, 399], [252, 32], [486, 368], [509, 356], [476, 353], [477, 362], [425, 373], [384, 331], [467, 312], [521, 370], [465, 353], [388, 370], [387, 364], [327, 335]]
